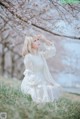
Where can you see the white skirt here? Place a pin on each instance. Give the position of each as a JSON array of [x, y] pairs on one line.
[[40, 90]]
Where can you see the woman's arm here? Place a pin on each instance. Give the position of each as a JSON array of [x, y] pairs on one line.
[[28, 65], [43, 38], [48, 42], [49, 52], [50, 49]]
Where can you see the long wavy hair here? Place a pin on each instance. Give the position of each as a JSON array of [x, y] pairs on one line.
[[27, 45]]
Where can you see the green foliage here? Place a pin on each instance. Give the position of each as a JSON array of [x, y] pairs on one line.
[[70, 1], [20, 106]]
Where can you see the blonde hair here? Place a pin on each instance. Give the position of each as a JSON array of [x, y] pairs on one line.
[[27, 45]]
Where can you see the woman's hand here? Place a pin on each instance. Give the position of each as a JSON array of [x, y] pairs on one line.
[[43, 38], [48, 42]]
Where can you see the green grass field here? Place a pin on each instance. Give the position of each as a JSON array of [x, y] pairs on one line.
[[20, 106]]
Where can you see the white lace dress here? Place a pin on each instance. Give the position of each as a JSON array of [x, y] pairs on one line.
[[37, 80]]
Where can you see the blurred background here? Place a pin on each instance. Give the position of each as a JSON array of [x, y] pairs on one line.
[[58, 22]]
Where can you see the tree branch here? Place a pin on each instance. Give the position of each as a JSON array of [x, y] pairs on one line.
[[6, 5]]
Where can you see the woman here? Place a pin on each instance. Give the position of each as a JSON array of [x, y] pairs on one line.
[[38, 81]]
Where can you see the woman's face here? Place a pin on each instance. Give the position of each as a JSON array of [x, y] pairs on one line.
[[36, 43]]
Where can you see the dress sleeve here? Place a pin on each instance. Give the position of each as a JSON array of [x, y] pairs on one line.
[[28, 65], [49, 52]]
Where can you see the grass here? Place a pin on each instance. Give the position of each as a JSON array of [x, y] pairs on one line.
[[20, 106]]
